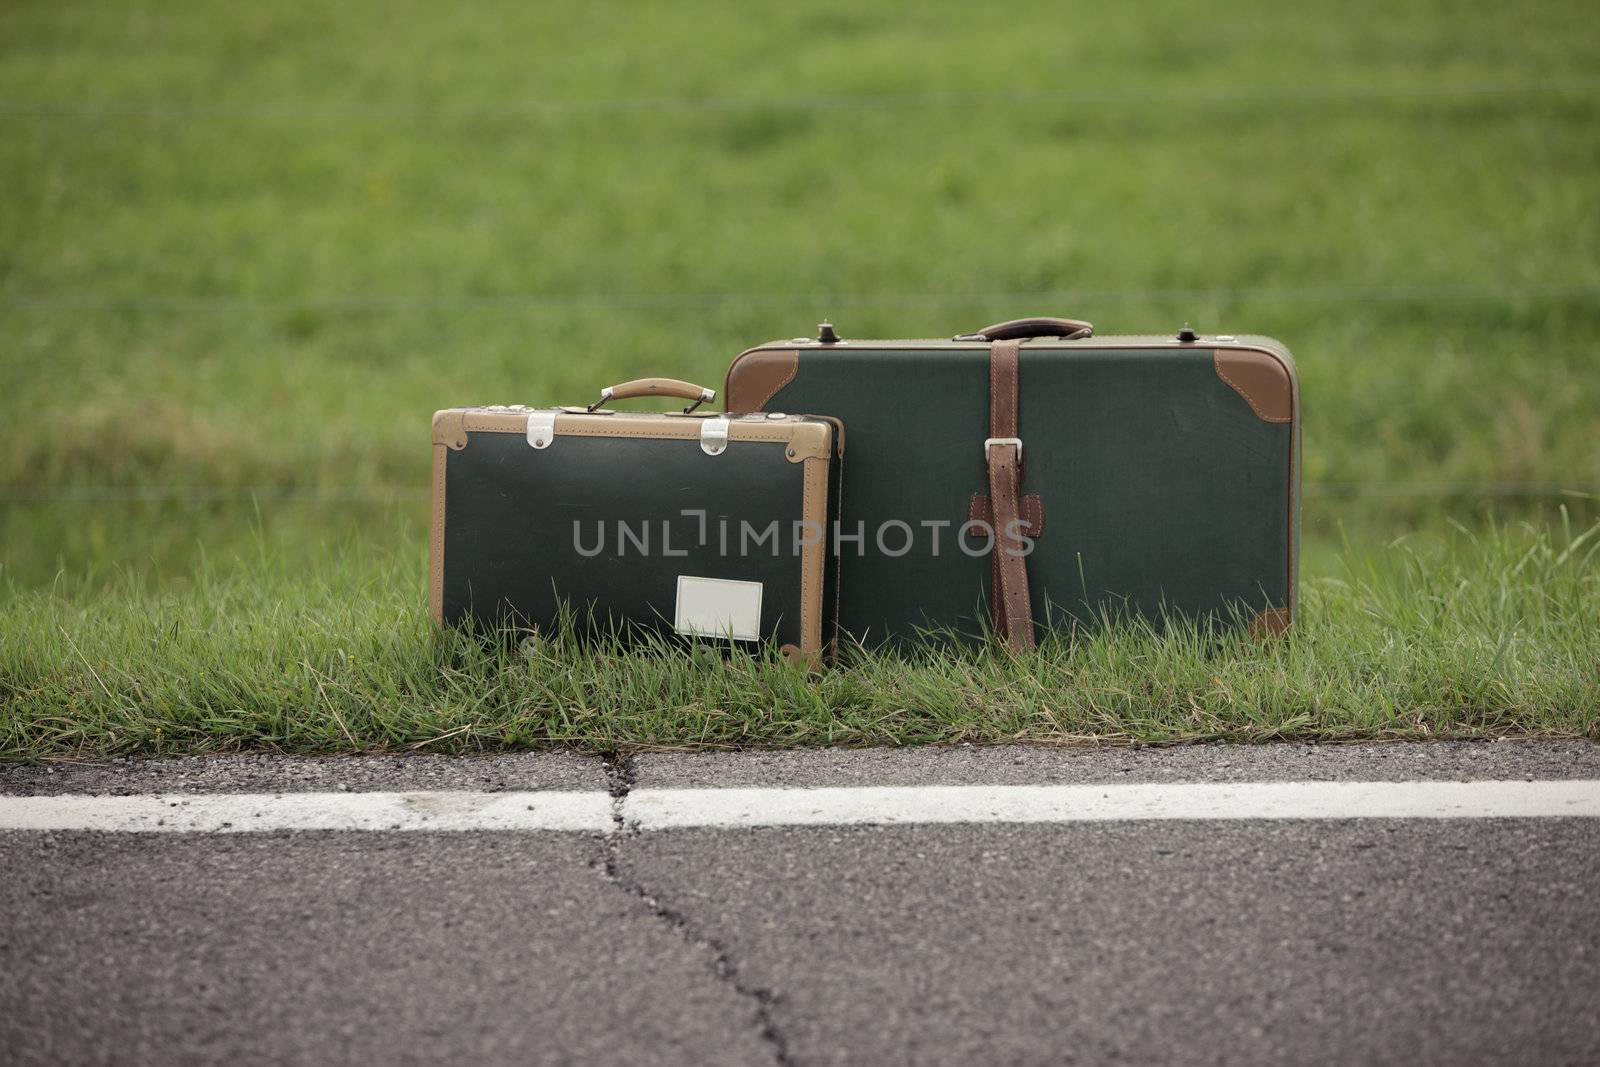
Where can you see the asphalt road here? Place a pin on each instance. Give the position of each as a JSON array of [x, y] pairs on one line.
[[1377, 940]]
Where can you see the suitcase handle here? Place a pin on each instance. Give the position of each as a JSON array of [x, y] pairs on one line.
[[1014, 329], [656, 387]]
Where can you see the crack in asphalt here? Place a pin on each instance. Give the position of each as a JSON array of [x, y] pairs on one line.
[[619, 779]]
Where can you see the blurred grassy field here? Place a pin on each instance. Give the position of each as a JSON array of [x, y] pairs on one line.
[[245, 252]]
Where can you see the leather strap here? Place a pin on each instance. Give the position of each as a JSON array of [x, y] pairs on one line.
[[1013, 610], [1032, 507]]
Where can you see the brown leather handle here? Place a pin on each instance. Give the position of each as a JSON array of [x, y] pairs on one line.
[[1041, 326], [656, 387]]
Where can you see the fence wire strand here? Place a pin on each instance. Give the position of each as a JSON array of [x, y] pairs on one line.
[[359, 495], [1151, 95], [355, 303]]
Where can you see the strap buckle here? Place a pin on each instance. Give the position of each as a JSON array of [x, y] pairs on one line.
[[990, 442]]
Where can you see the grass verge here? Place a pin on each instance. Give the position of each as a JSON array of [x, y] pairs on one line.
[[1470, 634]]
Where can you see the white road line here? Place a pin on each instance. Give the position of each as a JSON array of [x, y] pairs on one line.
[[671, 809], [663, 809], [255, 812]]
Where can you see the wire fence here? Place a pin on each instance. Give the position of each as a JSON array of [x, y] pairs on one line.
[[339, 496], [354, 303], [1121, 95]]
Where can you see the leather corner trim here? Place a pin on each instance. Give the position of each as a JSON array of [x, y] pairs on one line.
[[1261, 378], [1270, 623], [756, 376], [1031, 510], [450, 428]]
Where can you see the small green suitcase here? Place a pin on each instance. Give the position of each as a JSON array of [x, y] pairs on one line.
[[1037, 474], [691, 523]]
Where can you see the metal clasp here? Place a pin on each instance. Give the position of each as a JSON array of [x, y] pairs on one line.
[[714, 435], [541, 428], [990, 442]]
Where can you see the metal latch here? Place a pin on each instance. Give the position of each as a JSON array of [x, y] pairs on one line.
[[541, 428], [714, 435]]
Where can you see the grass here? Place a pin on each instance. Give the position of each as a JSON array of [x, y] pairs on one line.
[[245, 252], [263, 246], [1471, 635]]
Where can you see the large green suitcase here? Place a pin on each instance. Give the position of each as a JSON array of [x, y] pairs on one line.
[[1155, 476]]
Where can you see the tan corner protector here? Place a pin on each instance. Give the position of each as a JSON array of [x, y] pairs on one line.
[[450, 428], [811, 661], [1259, 377], [756, 376], [811, 440], [1270, 623]]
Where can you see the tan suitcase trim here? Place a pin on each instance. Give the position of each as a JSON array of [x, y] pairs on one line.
[[806, 440], [813, 559]]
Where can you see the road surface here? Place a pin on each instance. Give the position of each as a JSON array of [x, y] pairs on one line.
[[1084, 906]]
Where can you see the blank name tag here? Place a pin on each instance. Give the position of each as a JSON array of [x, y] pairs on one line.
[[718, 607]]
